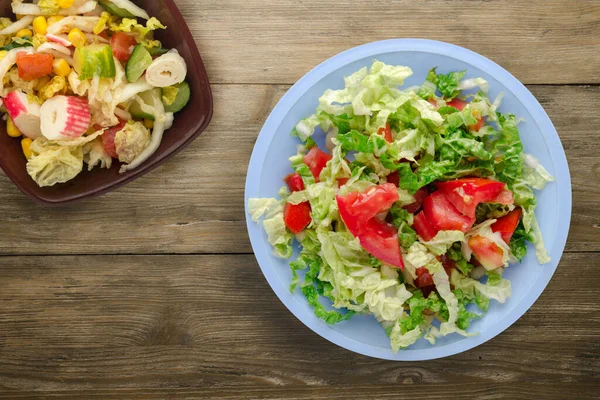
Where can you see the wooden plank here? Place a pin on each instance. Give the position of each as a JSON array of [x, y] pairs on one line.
[[194, 202], [539, 41], [210, 326]]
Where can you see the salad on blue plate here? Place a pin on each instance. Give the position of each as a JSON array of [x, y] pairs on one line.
[[420, 200]]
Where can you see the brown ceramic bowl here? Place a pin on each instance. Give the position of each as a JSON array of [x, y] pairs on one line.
[[189, 122]]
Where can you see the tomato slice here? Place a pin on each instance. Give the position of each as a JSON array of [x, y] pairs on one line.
[[297, 216], [419, 197], [457, 103], [448, 264], [342, 181], [460, 105], [507, 224], [423, 227], [294, 182], [108, 139], [122, 45], [386, 133], [34, 66], [443, 216], [316, 161], [424, 278], [505, 197], [380, 239], [394, 178], [486, 252], [465, 194], [359, 210]]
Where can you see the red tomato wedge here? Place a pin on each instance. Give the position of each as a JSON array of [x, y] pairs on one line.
[[460, 105], [423, 227], [424, 278], [457, 103], [356, 209], [443, 216], [386, 133], [465, 194], [108, 139], [34, 66], [316, 161], [486, 252], [419, 197], [122, 45], [394, 178], [296, 216], [505, 197], [507, 224], [380, 239], [342, 181], [294, 182], [359, 210]]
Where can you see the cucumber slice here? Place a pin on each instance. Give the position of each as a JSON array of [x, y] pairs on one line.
[[156, 51], [138, 63], [180, 100], [136, 110], [111, 8]]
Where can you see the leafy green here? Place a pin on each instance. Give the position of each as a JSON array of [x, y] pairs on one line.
[[19, 42], [518, 242]]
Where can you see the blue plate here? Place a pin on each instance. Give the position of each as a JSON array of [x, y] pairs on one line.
[[269, 164]]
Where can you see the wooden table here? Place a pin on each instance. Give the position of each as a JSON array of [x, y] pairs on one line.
[[152, 291]]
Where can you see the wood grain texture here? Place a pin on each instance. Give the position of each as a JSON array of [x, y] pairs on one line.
[[194, 202], [210, 327], [84, 314], [539, 41]]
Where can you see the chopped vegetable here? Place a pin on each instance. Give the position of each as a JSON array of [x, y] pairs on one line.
[[427, 165], [94, 60]]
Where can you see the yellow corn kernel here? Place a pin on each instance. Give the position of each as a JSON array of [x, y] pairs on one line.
[[54, 19], [24, 32], [60, 67], [148, 123], [3, 54], [11, 128], [77, 37], [65, 3], [26, 146], [40, 25]]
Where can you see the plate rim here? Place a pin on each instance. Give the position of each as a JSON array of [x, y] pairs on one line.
[[548, 131]]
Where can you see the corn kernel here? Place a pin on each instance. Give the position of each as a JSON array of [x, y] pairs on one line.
[[26, 146], [60, 67], [65, 3], [54, 19], [3, 54], [24, 32], [40, 25], [148, 123], [19, 17], [11, 128], [77, 37]]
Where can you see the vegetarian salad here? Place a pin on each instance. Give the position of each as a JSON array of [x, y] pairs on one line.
[[420, 200], [85, 82]]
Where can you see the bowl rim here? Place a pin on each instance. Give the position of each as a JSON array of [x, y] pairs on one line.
[[192, 134], [510, 83]]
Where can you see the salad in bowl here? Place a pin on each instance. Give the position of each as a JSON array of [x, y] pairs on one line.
[[411, 208], [84, 84]]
